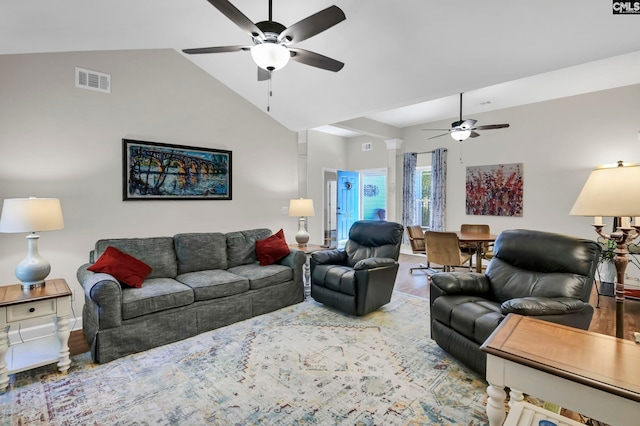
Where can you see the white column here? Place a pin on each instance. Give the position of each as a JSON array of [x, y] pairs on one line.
[[394, 169]]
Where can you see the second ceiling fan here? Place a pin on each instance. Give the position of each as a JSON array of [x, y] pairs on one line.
[[463, 129], [271, 49]]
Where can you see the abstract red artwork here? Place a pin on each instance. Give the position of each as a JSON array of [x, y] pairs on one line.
[[494, 190]]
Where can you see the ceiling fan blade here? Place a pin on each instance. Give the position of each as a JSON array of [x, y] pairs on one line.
[[474, 134], [221, 49], [237, 17], [467, 124], [312, 25], [491, 126], [439, 130], [433, 137], [263, 74], [315, 60]]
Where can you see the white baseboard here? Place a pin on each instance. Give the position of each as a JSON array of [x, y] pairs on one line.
[[18, 335]]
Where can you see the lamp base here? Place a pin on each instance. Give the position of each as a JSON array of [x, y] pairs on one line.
[[302, 236], [33, 269]]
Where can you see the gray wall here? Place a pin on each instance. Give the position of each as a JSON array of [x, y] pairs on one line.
[[60, 141]]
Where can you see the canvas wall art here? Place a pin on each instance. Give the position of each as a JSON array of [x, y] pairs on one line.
[[494, 190], [158, 171]]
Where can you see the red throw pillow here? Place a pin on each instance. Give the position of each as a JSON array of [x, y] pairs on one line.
[[272, 249], [124, 267]]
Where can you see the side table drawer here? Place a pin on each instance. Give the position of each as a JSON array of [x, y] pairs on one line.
[[25, 311]]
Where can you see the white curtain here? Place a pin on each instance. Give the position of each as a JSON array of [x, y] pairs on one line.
[[409, 190], [438, 189]]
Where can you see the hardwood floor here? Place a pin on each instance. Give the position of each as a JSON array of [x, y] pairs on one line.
[[417, 284]]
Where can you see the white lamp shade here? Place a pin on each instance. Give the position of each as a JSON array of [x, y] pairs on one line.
[[302, 207], [612, 192], [460, 135], [31, 215], [270, 56]]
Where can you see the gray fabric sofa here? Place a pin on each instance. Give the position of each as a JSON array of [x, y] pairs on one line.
[[198, 282]]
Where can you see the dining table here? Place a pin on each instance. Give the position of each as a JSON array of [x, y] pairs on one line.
[[477, 238]]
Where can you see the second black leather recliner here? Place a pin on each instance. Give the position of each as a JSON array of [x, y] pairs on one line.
[[546, 275]]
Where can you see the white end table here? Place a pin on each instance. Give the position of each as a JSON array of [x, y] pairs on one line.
[[53, 299]]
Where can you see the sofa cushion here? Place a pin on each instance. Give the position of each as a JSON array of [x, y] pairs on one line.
[[123, 267], [263, 276], [157, 252], [156, 294], [200, 251], [473, 317], [272, 249], [241, 246], [214, 283]]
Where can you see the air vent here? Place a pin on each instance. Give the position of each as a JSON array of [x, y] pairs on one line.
[[367, 146], [93, 80]]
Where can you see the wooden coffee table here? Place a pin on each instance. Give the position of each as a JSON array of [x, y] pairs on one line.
[[590, 373]]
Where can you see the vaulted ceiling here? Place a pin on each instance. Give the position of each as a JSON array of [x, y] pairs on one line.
[[406, 60]]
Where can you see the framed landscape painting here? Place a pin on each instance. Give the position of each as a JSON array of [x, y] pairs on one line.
[[495, 190], [159, 171]]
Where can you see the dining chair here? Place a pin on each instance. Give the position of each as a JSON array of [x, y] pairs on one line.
[[443, 248], [487, 249], [416, 239]]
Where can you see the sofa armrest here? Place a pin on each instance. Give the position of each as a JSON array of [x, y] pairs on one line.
[[329, 257], [295, 260], [461, 282], [105, 293], [374, 262], [537, 306]]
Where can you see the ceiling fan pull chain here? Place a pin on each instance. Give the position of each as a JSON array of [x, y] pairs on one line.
[[461, 162], [269, 93]]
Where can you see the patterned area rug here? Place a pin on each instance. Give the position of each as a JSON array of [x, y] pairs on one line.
[[302, 365]]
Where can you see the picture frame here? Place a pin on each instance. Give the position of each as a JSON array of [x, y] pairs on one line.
[[495, 190], [161, 171]]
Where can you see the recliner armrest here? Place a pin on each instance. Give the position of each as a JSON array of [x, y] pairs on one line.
[[329, 257], [461, 282], [374, 262], [535, 306]]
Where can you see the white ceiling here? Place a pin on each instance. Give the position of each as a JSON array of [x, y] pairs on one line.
[[405, 60]]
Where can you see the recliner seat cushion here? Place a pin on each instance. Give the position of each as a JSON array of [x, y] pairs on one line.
[[335, 277], [263, 276], [214, 284], [156, 294], [473, 317]]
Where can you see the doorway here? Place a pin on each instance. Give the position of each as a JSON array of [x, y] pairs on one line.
[[350, 196]]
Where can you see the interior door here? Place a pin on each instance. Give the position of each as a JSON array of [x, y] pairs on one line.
[[347, 206]]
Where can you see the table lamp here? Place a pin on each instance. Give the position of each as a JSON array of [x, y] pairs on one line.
[[614, 192], [303, 208], [31, 215]]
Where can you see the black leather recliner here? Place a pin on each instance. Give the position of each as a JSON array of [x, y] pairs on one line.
[[541, 274], [359, 278]]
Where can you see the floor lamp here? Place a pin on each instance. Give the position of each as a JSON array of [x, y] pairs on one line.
[[614, 192]]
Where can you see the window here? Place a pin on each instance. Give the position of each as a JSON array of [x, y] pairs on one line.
[[423, 194]]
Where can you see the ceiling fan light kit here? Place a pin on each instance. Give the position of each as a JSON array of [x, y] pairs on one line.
[[270, 56], [460, 135]]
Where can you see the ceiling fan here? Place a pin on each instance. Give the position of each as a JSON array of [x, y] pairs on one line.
[[463, 129], [272, 41]]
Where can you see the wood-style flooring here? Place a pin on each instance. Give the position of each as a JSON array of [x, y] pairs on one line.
[[417, 284]]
